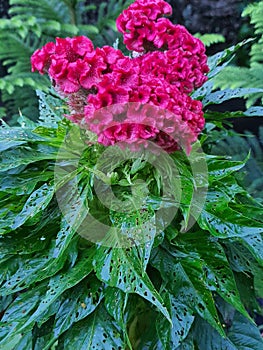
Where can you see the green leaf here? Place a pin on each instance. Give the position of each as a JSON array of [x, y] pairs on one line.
[[25, 342], [18, 312], [35, 204], [24, 183], [208, 338], [77, 304], [255, 111], [50, 110], [215, 61], [227, 94], [5, 145], [225, 224], [57, 285], [25, 122], [221, 168], [149, 340], [193, 182], [97, 331], [254, 243], [23, 244], [242, 335], [33, 269], [211, 38], [219, 276], [117, 310], [245, 283], [88, 28], [16, 134], [252, 211], [140, 229], [65, 280], [70, 28], [188, 344], [217, 118], [14, 158], [240, 258], [53, 25], [222, 221], [121, 268], [203, 91], [187, 282], [182, 319]]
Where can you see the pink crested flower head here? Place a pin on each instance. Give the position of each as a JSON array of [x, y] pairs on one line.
[[81, 45], [41, 58], [141, 10], [132, 100], [73, 48], [69, 49], [137, 22]]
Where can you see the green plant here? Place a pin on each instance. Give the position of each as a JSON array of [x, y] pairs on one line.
[[238, 146], [177, 290], [31, 25], [209, 39], [252, 76]]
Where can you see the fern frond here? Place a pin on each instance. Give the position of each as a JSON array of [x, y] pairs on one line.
[[41, 9], [242, 77], [107, 12], [210, 39], [255, 12], [256, 52], [9, 82], [253, 76], [32, 24]]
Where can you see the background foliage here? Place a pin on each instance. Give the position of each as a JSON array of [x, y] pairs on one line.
[[238, 146], [251, 76], [31, 24]]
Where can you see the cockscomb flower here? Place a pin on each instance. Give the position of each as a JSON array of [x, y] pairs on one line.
[[140, 12], [69, 49], [143, 33], [132, 100]]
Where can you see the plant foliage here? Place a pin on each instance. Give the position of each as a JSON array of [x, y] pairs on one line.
[[179, 290], [210, 39], [233, 77], [238, 147], [30, 26]]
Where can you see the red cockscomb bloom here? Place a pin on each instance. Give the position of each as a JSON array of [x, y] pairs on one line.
[[116, 96]]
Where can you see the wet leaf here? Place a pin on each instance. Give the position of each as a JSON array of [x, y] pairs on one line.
[[115, 303], [77, 303], [219, 276], [187, 283], [5, 145], [35, 204], [227, 94], [242, 335], [14, 158], [97, 331], [182, 319], [57, 285], [121, 268], [43, 265], [221, 168]]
